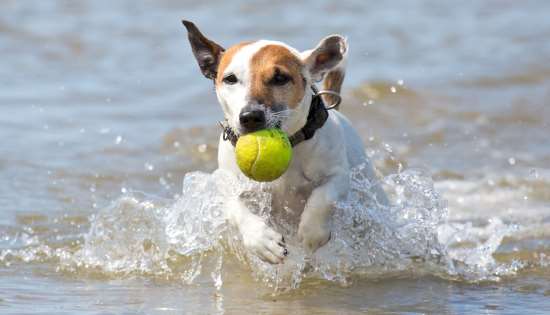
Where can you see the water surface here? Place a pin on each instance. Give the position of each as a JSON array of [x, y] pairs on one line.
[[104, 112]]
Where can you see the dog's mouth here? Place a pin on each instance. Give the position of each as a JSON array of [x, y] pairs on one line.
[[277, 116], [270, 117]]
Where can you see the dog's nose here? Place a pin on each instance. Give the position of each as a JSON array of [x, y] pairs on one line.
[[252, 120]]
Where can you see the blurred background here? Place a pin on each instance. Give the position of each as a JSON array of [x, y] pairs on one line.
[[100, 98]]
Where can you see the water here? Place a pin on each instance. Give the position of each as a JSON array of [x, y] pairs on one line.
[[110, 202]]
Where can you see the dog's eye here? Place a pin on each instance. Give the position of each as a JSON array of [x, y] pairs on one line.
[[280, 79], [230, 79]]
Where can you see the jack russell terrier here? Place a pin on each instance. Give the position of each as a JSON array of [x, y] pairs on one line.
[[262, 84]]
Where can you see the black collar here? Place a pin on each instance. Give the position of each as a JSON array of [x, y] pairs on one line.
[[316, 118]]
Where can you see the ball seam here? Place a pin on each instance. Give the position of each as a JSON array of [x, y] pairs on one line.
[[253, 168]]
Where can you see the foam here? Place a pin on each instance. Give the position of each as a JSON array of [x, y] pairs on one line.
[[189, 240]]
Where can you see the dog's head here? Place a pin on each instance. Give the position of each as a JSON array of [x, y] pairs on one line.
[[264, 83]]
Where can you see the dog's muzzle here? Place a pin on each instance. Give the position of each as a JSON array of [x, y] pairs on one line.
[[252, 120], [316, 118]]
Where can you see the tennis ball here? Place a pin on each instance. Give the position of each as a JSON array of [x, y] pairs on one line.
[[264, 155]]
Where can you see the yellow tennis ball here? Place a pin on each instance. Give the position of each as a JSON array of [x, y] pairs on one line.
[[264, 155]]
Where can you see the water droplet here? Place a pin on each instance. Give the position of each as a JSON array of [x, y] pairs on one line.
[[202, 148], [512, 161], [149, 166], [400, 82], [123, 190], [118, 139], [393, 89], [176, 144]]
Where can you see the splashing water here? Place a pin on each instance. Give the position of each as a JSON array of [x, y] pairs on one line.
[[190, 240]]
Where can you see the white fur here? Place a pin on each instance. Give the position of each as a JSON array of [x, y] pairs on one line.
[[318, 174]]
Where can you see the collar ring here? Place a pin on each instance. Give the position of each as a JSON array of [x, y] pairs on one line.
[[331, 93]]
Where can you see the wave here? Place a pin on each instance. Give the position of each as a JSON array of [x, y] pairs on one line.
[[188, 239]]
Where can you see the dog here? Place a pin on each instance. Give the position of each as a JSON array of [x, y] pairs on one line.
[[262, 84]]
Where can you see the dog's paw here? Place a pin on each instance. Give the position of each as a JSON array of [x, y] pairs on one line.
[[313, 234], [263, 241]]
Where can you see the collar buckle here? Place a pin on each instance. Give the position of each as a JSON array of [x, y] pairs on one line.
[[228, 133]]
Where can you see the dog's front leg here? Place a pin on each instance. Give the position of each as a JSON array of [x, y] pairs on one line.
[[313, 230], [257, 237]]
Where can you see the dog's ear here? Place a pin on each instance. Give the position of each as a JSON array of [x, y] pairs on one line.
[[328, 54], [206, 52]]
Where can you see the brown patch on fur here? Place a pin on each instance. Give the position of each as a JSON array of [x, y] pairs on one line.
[[226, 59], [264, 65], [322, 58], [333, 82]]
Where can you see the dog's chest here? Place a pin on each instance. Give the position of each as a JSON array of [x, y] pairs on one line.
[[292, 191]]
